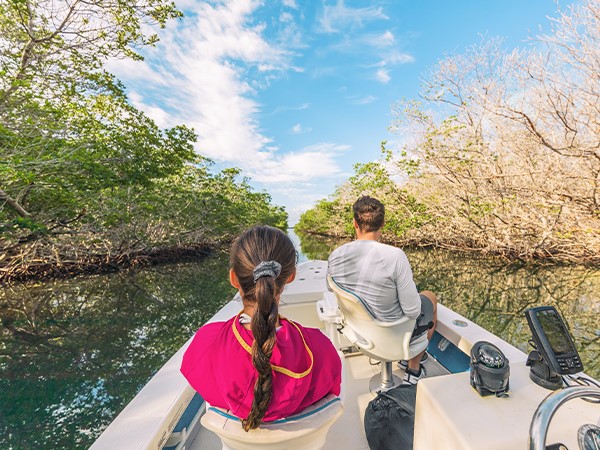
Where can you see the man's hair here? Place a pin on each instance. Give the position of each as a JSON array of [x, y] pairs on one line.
[[368, 213]]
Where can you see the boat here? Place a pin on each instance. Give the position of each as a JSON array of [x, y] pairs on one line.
[[450, 414]]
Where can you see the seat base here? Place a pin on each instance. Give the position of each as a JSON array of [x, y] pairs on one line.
[[375, 383]]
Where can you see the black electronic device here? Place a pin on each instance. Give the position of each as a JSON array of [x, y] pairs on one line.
[[490, 370], [555, 353]]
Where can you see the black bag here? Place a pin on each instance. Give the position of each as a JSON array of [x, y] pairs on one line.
[[390, 419]]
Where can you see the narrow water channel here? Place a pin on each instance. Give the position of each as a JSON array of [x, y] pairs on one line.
[[73, 353]]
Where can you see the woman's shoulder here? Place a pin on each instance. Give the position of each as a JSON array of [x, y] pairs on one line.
[[208, 333], [210, 329], [315, 338]]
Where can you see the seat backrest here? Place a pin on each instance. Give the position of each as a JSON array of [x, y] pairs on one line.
[[350, 303], [306, 430], [384, 341]]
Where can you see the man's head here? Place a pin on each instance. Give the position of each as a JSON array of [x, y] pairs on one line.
[[368, 214]]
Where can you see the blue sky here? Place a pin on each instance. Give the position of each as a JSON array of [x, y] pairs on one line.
[[296, 92]]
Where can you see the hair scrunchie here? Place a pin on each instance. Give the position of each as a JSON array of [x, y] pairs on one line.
[[266, 269]]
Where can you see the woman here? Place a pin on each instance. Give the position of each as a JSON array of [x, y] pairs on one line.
[[260, 365]]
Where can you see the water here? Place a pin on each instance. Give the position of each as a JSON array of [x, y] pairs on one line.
[[74, 353]]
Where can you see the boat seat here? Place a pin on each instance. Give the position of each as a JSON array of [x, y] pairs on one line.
[[383, 341], [306, 430]]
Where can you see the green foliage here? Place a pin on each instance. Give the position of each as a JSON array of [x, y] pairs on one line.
[[23, 223], [327, 217], [403, 211], [80, 167]]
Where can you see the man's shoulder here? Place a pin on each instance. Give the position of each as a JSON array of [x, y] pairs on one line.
[[341, 249], [357, 244], [390, 249]]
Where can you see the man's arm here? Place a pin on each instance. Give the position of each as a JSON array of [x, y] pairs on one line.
[[409, 298], [329, 262]]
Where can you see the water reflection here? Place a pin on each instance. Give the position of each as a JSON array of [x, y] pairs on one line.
[[74, 353], [495, 294]]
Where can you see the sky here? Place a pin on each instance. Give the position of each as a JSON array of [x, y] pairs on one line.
[[296, 92]]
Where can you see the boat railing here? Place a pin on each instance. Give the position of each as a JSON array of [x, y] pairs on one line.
[[540, 423]]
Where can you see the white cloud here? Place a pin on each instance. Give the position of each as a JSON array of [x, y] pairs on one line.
[[397, 57], [339, 16], [286, 17], [392, 59], [299, 129], [290, 4], [201, 74], [363, 100], [281, 109], [196, 76], [186, 5], [159, 115], [383, 76], [314, 162], [358, 42], [382, 40]]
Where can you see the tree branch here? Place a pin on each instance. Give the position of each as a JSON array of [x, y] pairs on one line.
[[14, 204]]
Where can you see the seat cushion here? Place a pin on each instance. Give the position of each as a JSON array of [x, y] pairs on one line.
[[300, 426]]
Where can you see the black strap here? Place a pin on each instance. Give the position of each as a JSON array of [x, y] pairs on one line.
[[420, 329], [391, 397]]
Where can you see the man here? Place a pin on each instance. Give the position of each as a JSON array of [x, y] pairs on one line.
[[381, 275]]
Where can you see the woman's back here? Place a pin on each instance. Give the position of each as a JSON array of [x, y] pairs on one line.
[[219, 366]]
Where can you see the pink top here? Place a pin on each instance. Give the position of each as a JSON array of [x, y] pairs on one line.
[[306, 368]]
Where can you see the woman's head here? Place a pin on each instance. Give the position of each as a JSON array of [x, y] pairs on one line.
[[258, 245], [263, 260]]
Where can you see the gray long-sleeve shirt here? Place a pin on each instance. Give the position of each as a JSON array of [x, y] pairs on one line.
[[379, 274]]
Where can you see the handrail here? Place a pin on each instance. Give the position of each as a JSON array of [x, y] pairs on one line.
[[540, 422]]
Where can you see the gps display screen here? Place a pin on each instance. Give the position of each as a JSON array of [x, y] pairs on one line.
[[555, 331]]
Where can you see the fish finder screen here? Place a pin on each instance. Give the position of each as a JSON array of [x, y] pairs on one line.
[[555, 332]]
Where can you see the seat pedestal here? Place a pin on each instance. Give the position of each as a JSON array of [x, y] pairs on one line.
[[385, 380]]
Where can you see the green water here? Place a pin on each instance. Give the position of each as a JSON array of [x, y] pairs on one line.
[[74, 353]]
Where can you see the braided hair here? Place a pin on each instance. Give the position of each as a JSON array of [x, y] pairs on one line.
[[253, 247]]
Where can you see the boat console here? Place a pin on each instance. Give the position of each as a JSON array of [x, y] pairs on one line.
[[462, 419]]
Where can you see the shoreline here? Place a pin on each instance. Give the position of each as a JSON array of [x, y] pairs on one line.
[[103, 264], [539, 257]]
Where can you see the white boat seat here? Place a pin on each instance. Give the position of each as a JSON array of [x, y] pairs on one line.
[[306, 430], [382, 341]]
